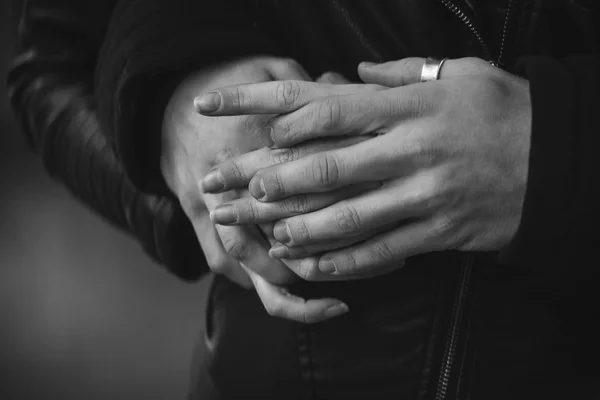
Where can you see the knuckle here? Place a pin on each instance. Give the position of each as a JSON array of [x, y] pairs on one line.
[[475, 62], [423, 197], [443, 228], [280, 156], [382, 253], [297, 205], [419, 104], [328, 114], [236, 248], [277, 185], [236, 171], [238, 98], [252, 211], [287, 92], [300, 232], [325, 169], [414, 200], [411, 64], [419, 151], [349, 263], [347, 218]]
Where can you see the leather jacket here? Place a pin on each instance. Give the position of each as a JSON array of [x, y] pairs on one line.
[[50, 86], [449, 325]]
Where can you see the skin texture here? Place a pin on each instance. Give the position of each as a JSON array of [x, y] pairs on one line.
[[192, 144], [451, 157]]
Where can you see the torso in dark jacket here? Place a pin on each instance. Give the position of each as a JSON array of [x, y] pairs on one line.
[[448, 325]]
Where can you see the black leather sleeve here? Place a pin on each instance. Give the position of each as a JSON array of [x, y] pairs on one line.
[[561, 213], [51, 90], [151, 45]]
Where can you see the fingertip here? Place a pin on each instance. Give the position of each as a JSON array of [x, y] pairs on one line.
[[327, 266], [224, 214], [208, 102], [336, 310], [213, 182], [367, 64], [319, 310], [257, 188], [278, 251]]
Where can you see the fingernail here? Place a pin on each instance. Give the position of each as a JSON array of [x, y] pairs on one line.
[[336, 310], [327, 266], [224, 214], [367, 64], [261, 192], [281, 232], [279, 251], [208, 102], [213, 181]]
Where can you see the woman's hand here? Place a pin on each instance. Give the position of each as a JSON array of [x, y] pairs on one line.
[[452, 154], [191, 145]]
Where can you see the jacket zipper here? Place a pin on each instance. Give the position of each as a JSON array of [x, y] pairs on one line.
[[454, 332], [461, 294], [474, 29], [505, 31]]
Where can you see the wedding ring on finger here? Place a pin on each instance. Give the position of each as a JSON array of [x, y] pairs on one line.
[[431, 69]]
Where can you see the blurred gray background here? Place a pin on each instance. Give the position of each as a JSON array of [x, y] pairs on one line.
[[84, 314]]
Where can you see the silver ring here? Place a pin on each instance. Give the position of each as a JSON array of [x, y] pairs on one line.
[[431, 69]]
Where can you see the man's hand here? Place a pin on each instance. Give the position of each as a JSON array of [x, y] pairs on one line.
[[453, 156]]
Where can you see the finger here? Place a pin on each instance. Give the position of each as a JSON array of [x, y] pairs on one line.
[[408, 70], [308, 269], [217, 258], [385, 250], [274, 97], [248, 210], [279, 302], [281, 251], [333, 78], [371, 112], [246, 245], [395, 202], [374, 160], [236, 172]]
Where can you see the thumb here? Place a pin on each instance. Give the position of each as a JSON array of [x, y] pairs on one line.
[[408, 70]]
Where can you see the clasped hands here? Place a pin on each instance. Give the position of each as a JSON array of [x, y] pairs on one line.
[[356, 178]]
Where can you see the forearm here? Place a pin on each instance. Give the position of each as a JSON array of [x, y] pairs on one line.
[[50, 91]]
